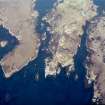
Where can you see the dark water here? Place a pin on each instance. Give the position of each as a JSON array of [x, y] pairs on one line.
[[23, 89], [101, 6], [6, 36]]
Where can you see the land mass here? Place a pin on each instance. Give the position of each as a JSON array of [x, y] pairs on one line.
[[66, 23], [96, 56], [19, 18]]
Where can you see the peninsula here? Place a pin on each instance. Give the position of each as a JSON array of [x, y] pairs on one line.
[[18, 16]]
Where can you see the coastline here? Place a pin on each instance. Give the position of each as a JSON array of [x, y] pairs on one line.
[[27, 50]]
